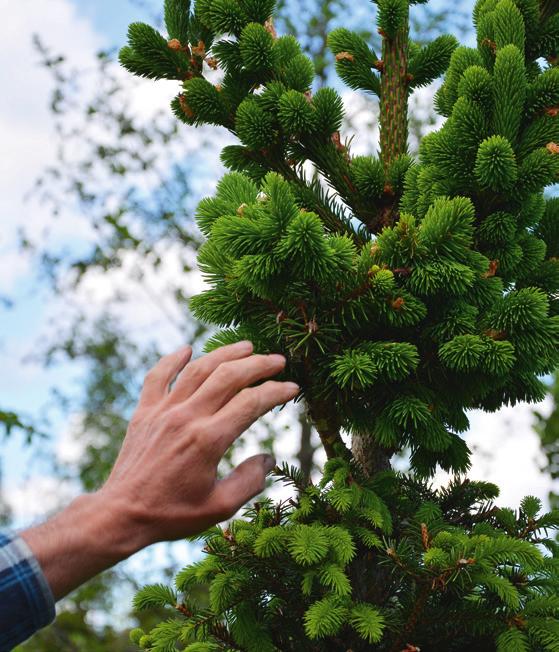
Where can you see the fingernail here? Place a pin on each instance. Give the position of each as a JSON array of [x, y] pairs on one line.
[[277, 359], [269, 463], [293, 387], [245, 345]]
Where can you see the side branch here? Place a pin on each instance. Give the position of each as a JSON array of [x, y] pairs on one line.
[[327, 426]]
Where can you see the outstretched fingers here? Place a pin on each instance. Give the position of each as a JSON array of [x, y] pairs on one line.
[[158, 379], [201, 369], [245, 408], [230, 377]]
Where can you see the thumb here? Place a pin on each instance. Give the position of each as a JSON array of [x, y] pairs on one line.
[[246, 481]]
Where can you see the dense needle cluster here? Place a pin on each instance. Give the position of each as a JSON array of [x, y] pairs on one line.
[[403, 293]]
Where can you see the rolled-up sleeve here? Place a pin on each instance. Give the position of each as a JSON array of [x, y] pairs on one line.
[[26, 601]]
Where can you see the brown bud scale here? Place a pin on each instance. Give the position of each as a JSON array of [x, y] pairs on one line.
[[174, 44], [345, 56]]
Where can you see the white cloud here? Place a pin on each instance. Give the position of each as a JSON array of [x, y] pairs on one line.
[[146, 308], [24, 116], [28, 138], [29, 145], [38, 496], [13, 266], [507, 452], [28, 134], [26, 129]]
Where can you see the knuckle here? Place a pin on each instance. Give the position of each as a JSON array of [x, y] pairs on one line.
[[224, 374], [227, 369], [168, 364], [174, 420], [200, 434], [260, 363]]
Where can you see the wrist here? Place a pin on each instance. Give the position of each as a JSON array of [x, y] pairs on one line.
[[129, 527], [92, 534], [107, 528]]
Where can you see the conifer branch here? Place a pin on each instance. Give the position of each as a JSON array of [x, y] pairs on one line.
[[394, 94], [316, 199], [333, 160]]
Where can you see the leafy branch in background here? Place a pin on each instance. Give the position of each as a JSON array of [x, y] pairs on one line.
[[11, 421], [403, 293]]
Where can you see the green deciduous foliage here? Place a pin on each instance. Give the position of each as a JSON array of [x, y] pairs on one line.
[[10, 421], [403, 293]]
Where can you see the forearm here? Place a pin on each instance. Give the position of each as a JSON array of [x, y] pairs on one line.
[[83, 540]]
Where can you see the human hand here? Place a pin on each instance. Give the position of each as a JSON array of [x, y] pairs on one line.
[[164, 482]]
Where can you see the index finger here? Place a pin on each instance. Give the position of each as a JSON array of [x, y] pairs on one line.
[[159, 377], [198, 371], [230, 378]]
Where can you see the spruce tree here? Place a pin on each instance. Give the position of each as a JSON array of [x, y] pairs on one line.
[[403, 293]]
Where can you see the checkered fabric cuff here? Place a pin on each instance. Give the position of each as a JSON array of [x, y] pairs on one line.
[[26, 601]]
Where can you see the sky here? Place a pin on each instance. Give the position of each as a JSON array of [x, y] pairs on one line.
[[27, 136], [506, 448]]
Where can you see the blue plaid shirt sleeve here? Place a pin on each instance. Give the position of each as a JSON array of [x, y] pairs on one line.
[[26, 601]]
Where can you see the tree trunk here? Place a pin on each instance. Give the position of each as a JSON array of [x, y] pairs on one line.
[[306, 449], [370, 580], [369, 456], [393, 143]]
